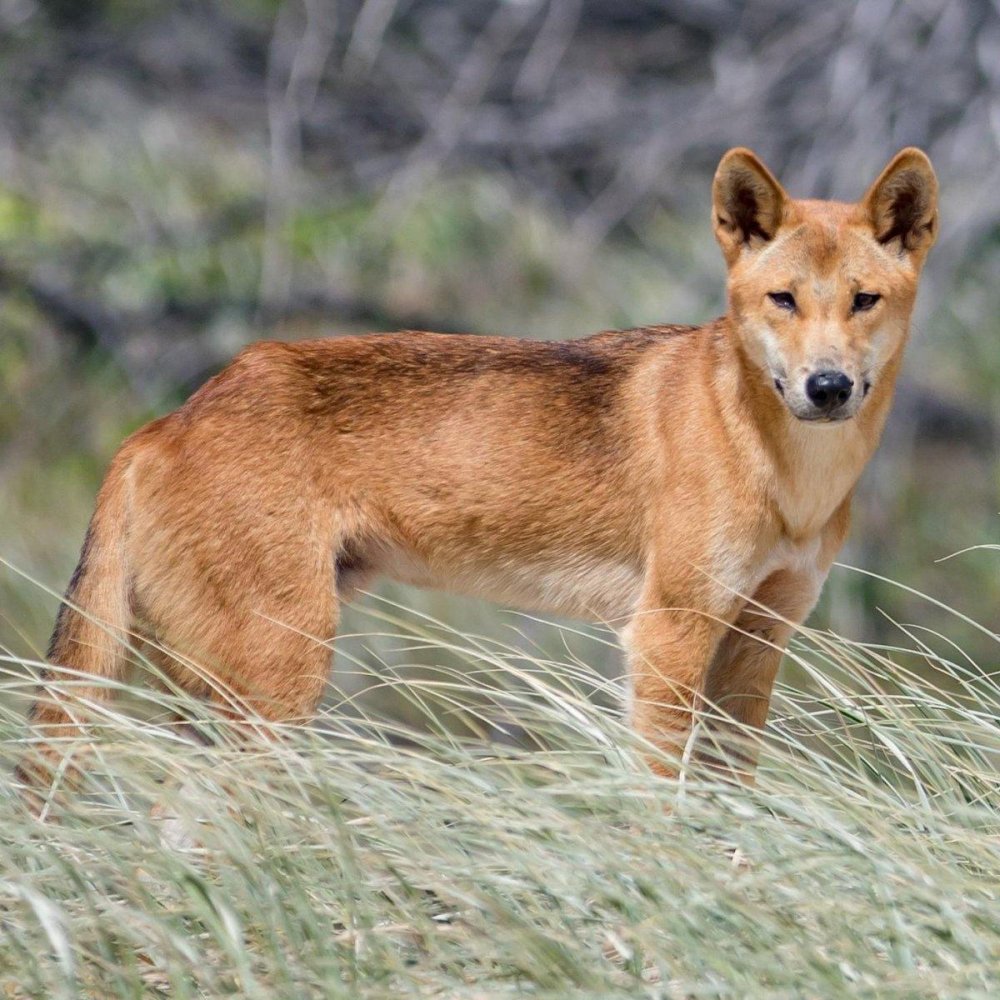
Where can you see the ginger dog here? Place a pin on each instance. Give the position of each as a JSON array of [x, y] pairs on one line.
[[693, 482]]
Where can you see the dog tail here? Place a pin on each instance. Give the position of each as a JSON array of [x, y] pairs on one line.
[[90, 636]]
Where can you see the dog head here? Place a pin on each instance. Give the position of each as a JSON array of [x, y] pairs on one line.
[[820, 292]]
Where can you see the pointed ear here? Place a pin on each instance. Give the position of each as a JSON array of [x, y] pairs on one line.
[[747, 202], [902, 203]]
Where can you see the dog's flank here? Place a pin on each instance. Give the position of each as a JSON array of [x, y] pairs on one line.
[[689, 484]]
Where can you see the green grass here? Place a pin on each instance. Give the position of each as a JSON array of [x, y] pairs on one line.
[[507, 840]]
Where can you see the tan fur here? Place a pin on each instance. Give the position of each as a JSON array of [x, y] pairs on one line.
[[659, 478]]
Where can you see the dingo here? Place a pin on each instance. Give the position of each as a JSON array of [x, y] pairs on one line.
[[681, 479]]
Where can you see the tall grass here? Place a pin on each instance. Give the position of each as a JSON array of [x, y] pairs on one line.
[[508, 840]]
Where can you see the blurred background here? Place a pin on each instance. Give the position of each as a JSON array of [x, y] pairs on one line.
[[179, 179]]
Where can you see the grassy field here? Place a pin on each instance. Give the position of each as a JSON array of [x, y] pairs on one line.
[[506, 839]]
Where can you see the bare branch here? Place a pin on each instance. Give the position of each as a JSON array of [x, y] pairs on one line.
[[287, 104]]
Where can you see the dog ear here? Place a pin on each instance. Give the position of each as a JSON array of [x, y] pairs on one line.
[[747, 202], [902, 203]]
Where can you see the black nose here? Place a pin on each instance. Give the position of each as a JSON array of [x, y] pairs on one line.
[[828, 390]]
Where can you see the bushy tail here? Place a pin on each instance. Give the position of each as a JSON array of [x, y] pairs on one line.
[[90, 635]]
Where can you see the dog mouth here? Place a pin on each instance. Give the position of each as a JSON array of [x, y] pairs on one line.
[[823, 418]]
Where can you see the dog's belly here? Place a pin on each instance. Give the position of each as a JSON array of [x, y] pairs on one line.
[[575, 585]]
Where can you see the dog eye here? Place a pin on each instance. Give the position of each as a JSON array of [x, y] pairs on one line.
[[863, 301], [783, 300]]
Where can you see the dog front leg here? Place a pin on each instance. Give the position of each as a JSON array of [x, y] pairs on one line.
[[669, 652], [742, 674]]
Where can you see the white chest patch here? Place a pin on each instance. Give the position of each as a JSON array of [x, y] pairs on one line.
[[801, 558], [741, 573]]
